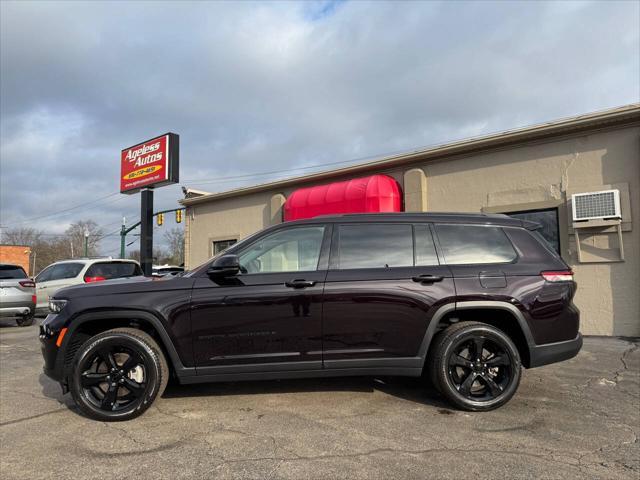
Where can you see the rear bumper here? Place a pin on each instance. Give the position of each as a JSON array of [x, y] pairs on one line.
[[16, 309], [554, 352]]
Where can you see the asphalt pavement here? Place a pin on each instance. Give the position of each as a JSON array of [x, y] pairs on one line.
[[577, 419]]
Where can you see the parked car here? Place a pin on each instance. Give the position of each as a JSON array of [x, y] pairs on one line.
[[17, 294], [162, 270], [79, 271], [467, 300]]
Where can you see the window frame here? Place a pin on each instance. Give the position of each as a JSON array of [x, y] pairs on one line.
[[443, 257], [214, 241], [323, 256]]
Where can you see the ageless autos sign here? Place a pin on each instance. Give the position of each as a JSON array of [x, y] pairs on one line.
[[150, 164]]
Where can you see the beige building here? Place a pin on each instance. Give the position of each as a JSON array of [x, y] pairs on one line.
[[530, 172]]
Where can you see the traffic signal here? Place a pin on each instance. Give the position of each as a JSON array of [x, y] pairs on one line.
[[178, 216], [160, 219]]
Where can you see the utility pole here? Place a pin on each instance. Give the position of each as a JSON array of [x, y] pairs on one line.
[[86, 242], [71, 242]]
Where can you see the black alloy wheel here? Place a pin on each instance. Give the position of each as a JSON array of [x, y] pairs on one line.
[[118, 374], [475, 365], [479, 368]]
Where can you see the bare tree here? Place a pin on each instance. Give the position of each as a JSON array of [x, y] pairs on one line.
[[21, 236], [175, 241], [76, 234]]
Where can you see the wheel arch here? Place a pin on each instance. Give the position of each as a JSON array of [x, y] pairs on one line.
[[502, 315], [89, 324]]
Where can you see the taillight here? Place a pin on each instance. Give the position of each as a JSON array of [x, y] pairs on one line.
[[27, 283], [94, 279], [34, 299], [558, 276]]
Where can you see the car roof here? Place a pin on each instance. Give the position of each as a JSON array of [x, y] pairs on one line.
[[95, 260], [433, 217]]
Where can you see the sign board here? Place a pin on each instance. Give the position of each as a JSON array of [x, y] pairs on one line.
[[150, 164]]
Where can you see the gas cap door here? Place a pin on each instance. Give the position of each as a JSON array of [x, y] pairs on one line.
[[493, 279]]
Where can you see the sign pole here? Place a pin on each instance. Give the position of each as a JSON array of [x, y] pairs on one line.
[[146, 231]]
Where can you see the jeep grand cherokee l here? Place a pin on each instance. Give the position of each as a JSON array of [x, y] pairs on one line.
[[467, 300]]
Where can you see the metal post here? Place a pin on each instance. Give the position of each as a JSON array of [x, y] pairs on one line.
[[146, 231], [123, 236], [86, 243]]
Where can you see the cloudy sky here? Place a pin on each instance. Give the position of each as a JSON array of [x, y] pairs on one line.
[[260, 91]]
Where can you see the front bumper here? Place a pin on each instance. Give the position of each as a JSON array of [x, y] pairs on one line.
[[554, 352], [51, 353]]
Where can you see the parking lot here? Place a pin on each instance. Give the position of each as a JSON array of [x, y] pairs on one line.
[[578, 419]]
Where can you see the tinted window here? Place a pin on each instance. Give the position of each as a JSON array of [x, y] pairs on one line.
[[548, 219], [375, 246], [61, 271], [465, 244], [292, 250], [45, 274], [11, 271], [425, 248], [108, 270]]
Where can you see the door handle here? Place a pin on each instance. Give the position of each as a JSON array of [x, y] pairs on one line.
[[299, 283], [427, 278]]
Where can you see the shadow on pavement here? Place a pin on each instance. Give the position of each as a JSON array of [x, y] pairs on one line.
[[408, 388]]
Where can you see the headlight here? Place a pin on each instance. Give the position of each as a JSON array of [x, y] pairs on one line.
[[56, 306]]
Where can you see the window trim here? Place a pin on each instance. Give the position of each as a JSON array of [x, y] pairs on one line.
[[323, 246], [515, 260]]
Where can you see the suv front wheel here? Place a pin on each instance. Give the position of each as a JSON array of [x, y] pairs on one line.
[[475, 366], [118, 374]]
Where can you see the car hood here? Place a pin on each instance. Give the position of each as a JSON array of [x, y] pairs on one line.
[[124, 285]]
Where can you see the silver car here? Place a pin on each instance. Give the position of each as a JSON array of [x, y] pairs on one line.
[[17, 294]]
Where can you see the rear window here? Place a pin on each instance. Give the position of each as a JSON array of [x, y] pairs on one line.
[[471, 244], [11, 271], [109, 270]]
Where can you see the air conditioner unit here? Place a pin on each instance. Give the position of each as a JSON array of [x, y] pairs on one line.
[[602, 205]]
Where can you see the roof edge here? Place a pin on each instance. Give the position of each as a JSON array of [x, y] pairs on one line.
[[618, 116]]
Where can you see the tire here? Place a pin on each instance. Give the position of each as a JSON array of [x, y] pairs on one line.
[[116, 375], [25, 321], [454, 369]]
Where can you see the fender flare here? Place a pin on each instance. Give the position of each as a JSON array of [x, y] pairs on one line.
[[473, 305], [167, 343]]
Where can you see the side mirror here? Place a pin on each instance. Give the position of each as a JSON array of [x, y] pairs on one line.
[[224, 266]]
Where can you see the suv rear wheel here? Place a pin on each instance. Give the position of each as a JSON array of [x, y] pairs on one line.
[[118, 374], [475, 366]]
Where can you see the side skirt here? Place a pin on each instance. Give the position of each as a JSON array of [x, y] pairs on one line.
[[291, 374]]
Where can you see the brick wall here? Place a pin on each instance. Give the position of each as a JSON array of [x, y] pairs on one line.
[[16, 255]]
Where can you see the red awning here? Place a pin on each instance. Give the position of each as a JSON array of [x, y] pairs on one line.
[[377, 193]]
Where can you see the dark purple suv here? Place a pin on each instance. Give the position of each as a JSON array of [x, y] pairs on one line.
[[464, 299]]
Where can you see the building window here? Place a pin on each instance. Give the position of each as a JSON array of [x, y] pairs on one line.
[[548, 218], [221, 245]]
